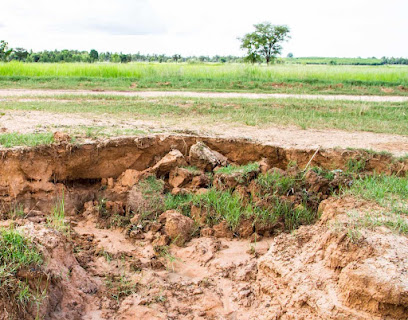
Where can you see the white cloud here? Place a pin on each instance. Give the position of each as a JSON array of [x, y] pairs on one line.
[[319, 27]]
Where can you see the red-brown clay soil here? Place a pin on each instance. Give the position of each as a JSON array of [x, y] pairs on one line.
[[177, 267]]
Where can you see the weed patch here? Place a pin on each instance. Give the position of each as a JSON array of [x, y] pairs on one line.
[[17, 252], [275, 183], [56, 219], [9, 140]]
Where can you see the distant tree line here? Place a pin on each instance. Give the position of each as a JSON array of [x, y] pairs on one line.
[[346, 61], [393, 60], [21, 54]]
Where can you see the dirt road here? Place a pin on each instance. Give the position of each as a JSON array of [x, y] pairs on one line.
[[287, 137], [4, 93]]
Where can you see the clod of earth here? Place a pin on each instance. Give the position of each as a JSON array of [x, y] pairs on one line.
[[180, 227]]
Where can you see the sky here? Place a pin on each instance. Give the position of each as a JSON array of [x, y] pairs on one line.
[[348, 28]]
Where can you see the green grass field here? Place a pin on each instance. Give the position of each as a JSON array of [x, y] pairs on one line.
[[338, 61], [296, 78]]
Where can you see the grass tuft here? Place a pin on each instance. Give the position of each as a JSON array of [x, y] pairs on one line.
[[9, 140], [244, 169], [56, 219], [383, 189], [275, 183], [390, 193], [224, 205], [17, 252]]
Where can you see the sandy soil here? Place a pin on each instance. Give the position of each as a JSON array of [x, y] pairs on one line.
[[24, 92], [125, 259], [288, 137]]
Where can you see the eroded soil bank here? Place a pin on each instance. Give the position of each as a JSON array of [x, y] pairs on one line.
[[185, 227]]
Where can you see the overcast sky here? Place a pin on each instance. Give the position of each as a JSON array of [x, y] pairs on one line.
[[347, 28]]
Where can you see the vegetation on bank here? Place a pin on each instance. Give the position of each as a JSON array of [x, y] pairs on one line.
[[388, 197], [9, 140], [18, 253]]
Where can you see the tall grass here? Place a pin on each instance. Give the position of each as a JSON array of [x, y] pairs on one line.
[[397, 75], [333, 60]]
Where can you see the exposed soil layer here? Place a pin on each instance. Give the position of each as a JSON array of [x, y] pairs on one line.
[[142, 238], [40, 169]]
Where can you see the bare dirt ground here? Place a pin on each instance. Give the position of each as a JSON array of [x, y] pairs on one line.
[[149, 94], [287, 137]]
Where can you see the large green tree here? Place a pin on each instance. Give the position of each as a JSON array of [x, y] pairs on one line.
[[19, 54], [176, 57], [5, 52], [264, 42], [93, 55]]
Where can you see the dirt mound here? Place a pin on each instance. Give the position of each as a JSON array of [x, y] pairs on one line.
[[324, 272], [61, 288]]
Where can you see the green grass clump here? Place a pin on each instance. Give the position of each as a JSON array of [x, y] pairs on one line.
[[244, 169], [356, 166], [193, 170], [293, 217], [181, 203], [274, 183], [151, 186], [56, 219], [224, 205], [9, 140], [17, 252], [329, 175], [221, 206], [383, 189], [390, 193]]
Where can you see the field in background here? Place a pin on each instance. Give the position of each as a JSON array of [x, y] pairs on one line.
[[296, 78], [338, 61]]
